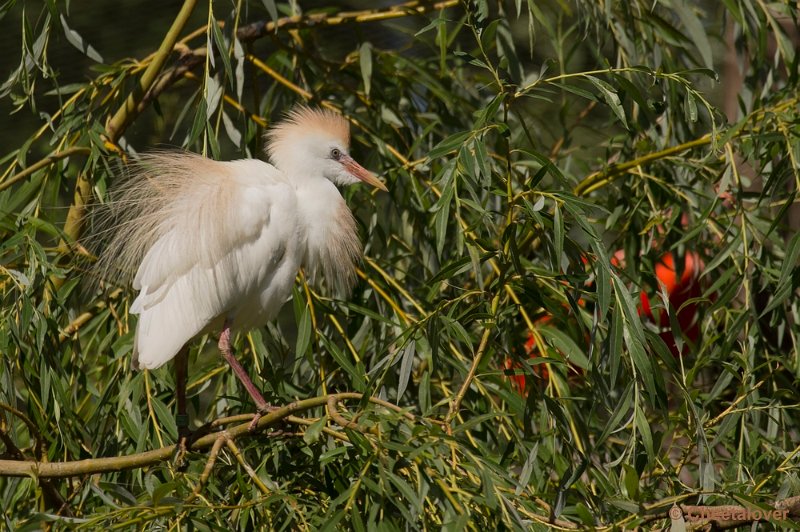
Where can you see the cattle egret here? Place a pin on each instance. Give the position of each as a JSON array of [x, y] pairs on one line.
[[216, 246]]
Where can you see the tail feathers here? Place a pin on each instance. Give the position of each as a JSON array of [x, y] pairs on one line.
[[158, 339]]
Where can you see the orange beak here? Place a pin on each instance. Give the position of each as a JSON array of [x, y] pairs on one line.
[[362, 173]]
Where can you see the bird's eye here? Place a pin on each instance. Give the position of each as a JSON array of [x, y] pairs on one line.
[[336, 154]]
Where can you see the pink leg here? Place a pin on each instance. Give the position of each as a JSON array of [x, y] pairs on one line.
[[225, 347]]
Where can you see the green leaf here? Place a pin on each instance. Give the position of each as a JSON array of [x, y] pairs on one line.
[[365, 61], [314, 430], [442, 217], [406, 365], [611, 98], [527, 469], [785, 286], [566, 345], [223, 51], [558, 236], [303, 333], [691, 107], [269, 5], [697, 31], [77, 41]]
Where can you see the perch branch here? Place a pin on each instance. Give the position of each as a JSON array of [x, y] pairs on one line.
[[118, 463]]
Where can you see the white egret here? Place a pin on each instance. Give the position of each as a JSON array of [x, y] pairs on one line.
[[216, 246]]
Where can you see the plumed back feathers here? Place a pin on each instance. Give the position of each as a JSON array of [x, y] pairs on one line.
[[161, 190]]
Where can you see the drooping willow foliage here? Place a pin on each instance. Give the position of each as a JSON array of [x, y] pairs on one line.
[[541, 159]]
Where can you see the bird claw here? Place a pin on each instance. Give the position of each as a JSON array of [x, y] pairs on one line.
[[254, 423], [184, 441], [186, 438], [179, 459], [262, 410]]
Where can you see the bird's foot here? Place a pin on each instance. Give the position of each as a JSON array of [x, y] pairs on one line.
[[186, 438], [182, 448], [266, 408]]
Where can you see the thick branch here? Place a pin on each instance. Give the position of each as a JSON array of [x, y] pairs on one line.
[[117, 463], [116, 126]]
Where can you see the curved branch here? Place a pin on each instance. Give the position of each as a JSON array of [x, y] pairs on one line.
[[455, 405], [333, 412], [119, 463]]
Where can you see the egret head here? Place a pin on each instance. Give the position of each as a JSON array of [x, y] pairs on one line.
[[315, 142]]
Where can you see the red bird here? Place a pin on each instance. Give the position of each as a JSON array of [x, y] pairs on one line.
[[680, 292]]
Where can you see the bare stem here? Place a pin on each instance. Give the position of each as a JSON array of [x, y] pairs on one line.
[[455, 405], [46, 161], [601, 178], [219, 441]]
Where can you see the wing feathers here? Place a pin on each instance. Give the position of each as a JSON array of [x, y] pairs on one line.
[[197, 233]]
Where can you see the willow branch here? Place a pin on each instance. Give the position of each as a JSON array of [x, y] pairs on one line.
[[455, 405], [116, 126], [279, 78], [188, 60], [119, 463], [256, 30], [42, 163], [603, 177], [333, 412], [219, 441], [73, 225]]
